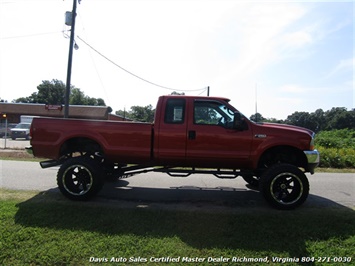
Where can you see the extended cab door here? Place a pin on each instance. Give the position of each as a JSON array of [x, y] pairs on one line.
[[171, 136], [211, 138]]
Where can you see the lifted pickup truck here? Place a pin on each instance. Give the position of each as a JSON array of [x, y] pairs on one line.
[[190, 135]]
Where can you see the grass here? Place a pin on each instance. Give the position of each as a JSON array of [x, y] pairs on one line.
[[22, 155], [45, 229], [334, 170]]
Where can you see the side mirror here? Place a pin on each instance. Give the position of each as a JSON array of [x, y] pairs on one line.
[[238, 122]]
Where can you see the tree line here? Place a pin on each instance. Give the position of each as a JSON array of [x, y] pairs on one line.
[[319, 120], [52, 92]]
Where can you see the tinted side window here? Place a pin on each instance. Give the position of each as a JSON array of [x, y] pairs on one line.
[[175, 111]]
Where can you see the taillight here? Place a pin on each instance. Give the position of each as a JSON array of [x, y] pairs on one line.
[[31, 132]]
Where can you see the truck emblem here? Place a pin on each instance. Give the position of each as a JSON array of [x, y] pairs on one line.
[[260, 136]]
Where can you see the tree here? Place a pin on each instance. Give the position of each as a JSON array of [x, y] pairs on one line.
[[77, 97], [340, 119], [138, 113], [123, 113], [274, 120], [95, 101], [52, 92], [301, 119], [177, 93], [319, 120], [143, 114], [334, 117], [257, 117]]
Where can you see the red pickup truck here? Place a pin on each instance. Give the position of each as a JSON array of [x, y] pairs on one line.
[[189, 135]]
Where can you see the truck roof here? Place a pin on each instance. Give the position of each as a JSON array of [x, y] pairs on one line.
[[197, 97]]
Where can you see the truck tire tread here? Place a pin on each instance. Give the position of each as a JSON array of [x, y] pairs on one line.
[[284, 186], [79, 178]]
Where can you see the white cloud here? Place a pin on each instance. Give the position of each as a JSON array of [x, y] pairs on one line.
[[253, 37], [263, 30], [292, 88], [343, 65], [298, 38]]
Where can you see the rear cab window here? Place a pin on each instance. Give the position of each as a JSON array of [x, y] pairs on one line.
[[175, 111]]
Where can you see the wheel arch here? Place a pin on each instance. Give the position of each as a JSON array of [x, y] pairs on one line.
[[282, 154], [80, 144]]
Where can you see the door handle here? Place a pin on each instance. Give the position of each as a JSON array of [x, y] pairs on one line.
[[192, 134]]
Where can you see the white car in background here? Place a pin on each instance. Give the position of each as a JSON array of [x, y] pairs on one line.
[[22, 130]]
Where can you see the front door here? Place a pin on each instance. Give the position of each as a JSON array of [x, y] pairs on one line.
[[211, 139]]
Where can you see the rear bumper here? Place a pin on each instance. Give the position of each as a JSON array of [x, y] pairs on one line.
[[313, 159]]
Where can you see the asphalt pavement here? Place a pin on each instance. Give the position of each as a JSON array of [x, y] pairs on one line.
[[327, 189]]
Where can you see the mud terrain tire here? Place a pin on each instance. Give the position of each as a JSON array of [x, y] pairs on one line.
[[79, 178], [284, 186]]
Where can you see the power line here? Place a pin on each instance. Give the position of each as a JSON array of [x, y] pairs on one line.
[[129, 72], [30, 35], [93, 60]]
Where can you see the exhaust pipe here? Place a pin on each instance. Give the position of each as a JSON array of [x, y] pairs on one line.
[[49, 163]]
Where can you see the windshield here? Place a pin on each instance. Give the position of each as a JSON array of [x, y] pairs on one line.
[[23, 125]]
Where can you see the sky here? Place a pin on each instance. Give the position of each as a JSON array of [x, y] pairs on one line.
[[286, 56]]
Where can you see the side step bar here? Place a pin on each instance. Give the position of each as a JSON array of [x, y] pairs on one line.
[[128, 171]]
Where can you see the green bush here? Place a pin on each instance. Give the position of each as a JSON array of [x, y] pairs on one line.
[[337, 158], [337, 148], [342, 138]]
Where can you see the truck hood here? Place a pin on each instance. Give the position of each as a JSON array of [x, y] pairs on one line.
[[286, 127]]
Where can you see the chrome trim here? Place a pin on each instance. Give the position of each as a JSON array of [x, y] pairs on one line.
[[312, 156]]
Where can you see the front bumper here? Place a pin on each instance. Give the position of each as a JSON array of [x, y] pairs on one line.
[[18, 134], [313, 159]]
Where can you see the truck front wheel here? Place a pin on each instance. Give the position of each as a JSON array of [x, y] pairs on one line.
[[79, 178], [284, 186]]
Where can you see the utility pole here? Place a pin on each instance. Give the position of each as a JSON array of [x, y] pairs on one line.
[[70, 60], [208, 90]]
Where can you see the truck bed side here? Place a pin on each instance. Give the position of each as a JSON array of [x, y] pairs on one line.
[[119, 141]]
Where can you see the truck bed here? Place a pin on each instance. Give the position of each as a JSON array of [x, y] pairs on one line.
[[120, 141]]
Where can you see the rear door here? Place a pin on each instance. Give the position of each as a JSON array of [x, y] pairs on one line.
[[172, 131]]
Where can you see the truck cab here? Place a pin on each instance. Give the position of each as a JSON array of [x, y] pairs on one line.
[[202, 132], [209, 132]]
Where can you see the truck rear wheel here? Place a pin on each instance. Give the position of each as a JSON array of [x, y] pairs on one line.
[[284, 186], [79, 178]]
